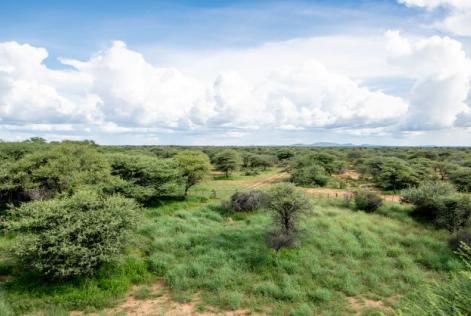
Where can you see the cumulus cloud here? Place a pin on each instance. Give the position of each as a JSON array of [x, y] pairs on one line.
[[117, 91], [443, 73], [458, 19]]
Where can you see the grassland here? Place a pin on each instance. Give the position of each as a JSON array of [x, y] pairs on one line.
[[346, 262]]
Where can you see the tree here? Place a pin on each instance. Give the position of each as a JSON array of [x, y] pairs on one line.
[[227, 161], [461, 177], [73, 236], [147, 178], [286, 204], [195, 166], [55, 169]]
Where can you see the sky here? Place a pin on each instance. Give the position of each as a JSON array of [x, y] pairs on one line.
[[385, 72]]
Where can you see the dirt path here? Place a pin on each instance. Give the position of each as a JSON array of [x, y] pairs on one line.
[[272, 179], [158, 302]]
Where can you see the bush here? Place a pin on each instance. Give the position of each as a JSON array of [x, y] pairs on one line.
[[460, 241], [311, 175], [147, 178], [57, 169], [246, 201], [286, 203], [461, 177], [439, 203], [368, 201], [72, 236], [227, 161]]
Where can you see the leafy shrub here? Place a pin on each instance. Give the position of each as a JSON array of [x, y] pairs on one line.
[[310, 175], [71, 236], [195, 166], [439, 203], [246, 201], [251, 172], [147, 178], [368, 201], [286, 203], [460, 241], [461, 177], [53, 170], [227, 161], [427, 198]]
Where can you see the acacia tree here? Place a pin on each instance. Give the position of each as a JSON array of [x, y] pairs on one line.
[[286, 203], [195, 166], [227, 161]]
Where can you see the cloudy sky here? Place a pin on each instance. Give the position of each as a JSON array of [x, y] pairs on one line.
[[389, 72]]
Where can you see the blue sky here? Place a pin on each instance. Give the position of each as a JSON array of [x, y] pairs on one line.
[[345, 71]]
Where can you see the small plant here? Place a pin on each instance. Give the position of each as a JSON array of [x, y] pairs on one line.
[[368, 201], [72, 236], [287, 204], [460, 241], [245, 201]]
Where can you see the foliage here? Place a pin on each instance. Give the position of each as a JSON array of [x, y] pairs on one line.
[[449, 298], [246, 201], [147, 178], [286, 204], [310, 175], [227, 161], [195, 166], [460, 240], [461, 177], [440, 203], [368, 201], [72, 236], [58, 169]]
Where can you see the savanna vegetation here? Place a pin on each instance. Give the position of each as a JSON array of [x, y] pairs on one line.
[[249, 230]]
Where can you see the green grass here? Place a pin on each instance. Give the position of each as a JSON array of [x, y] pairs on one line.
[[196, 249]]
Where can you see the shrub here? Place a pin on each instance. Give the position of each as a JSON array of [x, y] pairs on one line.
[[147, 178], [461, 177], [57, 169], [195, 166], [460, 241], [439, 203], [427, 198], [310, 175], [72, 236], [227, 161], [246, 201], [286, 203], [368, 201]]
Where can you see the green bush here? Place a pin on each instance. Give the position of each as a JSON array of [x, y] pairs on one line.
[[57, 169], [227, 161], [310, 175], [439, 203], [460, 241], [195, 166], [147, 178], [368, 201], [461, 177], [72, 236], [287, 204]]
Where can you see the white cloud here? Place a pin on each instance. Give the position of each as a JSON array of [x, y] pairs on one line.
[[118, 89], [458, 19], [118, 92], [443, 74]]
